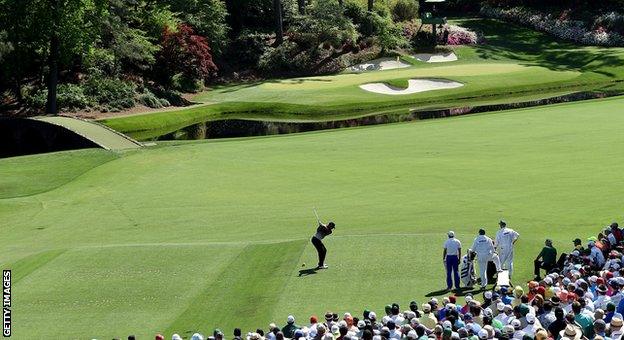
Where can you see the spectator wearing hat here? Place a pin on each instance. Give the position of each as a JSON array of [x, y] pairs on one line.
[[483, 334], [602, 299], [487, 299], [615, 327], [471, 325], [500, 308], [197, 336], [546, 259], [484, 247], [596, 257], [570, 333], [450, 257], [290, 327], [518, 332], [428, 319], [176, 337], [508, 331], [504, 242], [532, 325]]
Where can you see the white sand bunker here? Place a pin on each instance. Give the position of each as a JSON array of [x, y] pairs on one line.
[[414, 86], [436, 58], [379, 65]]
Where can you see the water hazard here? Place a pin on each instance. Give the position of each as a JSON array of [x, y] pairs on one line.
[[231, 128]]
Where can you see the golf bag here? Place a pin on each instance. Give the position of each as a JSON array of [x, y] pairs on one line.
[[467, 272]]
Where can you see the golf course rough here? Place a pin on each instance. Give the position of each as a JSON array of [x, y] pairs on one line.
[[189, 236]]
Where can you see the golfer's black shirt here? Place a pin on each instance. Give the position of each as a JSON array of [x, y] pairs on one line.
[[322, 231]]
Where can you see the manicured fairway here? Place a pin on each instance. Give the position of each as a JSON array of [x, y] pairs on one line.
[[191, 236]]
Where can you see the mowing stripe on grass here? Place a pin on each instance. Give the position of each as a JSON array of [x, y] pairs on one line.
[[25, 266], [246, 291]]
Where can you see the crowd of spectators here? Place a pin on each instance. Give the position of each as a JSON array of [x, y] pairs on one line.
[[579, 297]]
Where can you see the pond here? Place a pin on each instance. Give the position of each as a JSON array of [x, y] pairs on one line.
[[230, 128]]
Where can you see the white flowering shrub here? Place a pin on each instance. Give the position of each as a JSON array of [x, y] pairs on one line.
[[573, 30]]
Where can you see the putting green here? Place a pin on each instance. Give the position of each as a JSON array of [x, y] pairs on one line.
[[190, 236]]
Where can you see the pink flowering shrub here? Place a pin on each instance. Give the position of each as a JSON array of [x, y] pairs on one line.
[[460, 36]]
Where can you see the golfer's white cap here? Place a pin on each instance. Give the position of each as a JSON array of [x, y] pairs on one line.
[[530, 318], [483, 334], [197, 336], [290, 319], [176, 337], [451, 234], [488, 294], [372, 315], [500, 306]]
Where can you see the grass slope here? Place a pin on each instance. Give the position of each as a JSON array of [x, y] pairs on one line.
[[44, 172], [515, 63], [188, 236]]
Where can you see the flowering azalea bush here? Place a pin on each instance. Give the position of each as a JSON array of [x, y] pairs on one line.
[[561, 27], [461, 36]]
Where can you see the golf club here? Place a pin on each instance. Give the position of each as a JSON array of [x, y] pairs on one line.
[[317, 216]]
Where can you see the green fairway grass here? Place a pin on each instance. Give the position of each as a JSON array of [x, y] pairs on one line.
[[513, 64], [191, 236]]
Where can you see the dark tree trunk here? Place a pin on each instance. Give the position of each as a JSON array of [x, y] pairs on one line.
[[370, 5], [55, 51], [279, 28], [341, 3], [302, 5]]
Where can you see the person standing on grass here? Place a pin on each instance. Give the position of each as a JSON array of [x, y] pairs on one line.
[[317, 240], [505, 240], [484, 247], [450, 258]]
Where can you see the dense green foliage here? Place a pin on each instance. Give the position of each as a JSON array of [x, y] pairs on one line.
[[105, 41], [217, 231], [178, 45]]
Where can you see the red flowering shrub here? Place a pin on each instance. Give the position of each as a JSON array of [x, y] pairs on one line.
[[184, 52]]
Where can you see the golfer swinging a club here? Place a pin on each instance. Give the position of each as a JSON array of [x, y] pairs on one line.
[[317, 240]]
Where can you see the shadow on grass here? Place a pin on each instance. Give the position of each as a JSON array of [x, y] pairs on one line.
[[457, 292], [510, 41], [306, 272]]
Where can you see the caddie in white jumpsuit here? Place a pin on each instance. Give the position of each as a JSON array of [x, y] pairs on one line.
[[504, 242], [484, 247]]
